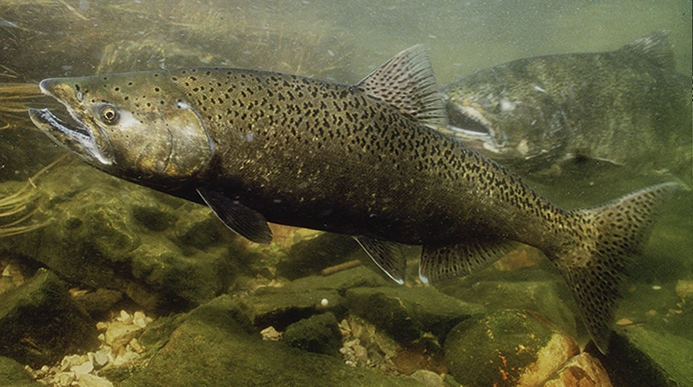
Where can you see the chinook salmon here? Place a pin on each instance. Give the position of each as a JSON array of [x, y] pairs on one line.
[[570, 113], [258, 146]]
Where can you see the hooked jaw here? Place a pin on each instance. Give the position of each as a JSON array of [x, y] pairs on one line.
[[91, 145]]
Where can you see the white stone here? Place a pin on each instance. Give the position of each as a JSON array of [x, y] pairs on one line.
[[125, 317], [428, 378], [83, 368], [119, 334], [270, 334], [100, 358], [71, 361], [136, 346], [127, 358], [139, 319], [8, 271], [89, 380], [360, 353], [64, 379]]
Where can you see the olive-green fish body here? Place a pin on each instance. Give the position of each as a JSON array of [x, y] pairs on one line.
[[627, 108], [354, 159]]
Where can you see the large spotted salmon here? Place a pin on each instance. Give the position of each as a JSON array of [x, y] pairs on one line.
[[360, 160]]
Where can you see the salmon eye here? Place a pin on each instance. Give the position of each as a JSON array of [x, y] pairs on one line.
[[109, 114]]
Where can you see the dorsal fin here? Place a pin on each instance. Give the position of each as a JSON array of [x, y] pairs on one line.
[[655, 48], [407, 83]]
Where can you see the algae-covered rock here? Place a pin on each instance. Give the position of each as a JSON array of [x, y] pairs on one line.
[[639, 357], [506, 348], [98, 303], [407, 313], [360, 276], [319, 333], [546, 297], [211, 348], [312, 255], [108, 233], [582, 370], [281, 306], [40, 323], [13, 374]]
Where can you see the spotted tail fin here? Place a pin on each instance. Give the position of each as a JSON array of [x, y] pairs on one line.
[[595, 266]]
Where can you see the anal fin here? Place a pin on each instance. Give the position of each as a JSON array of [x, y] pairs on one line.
[[442, 262], [246, 222], [387, 255]]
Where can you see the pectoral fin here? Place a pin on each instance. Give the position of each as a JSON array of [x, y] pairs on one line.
[[387, 255], [246, 222], [441, 262]]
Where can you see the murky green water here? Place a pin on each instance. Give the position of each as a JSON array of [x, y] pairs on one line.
[[343, 41]]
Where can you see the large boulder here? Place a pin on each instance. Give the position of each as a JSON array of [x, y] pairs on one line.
[[406, 313], [163, 252], [507, 348], [40, 323], [639, 357], [212, 348]]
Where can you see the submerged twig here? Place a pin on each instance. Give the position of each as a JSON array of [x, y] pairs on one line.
[[341, 267]]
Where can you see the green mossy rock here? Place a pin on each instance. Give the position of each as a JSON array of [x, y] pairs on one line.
[[13, 374], [406, 314], [319, 334], [40, 323], [546, 297], [309, 257], [639, 357], [360, 276], [211, 348], [163, 252], [506, 348], [282, 306]]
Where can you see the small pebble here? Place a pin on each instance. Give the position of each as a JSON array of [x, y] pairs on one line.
[[100, 358], [624, 322], [428, 378], [125, 317], [140, 319], [119, 334], [126, 358], [101, 326], [89, 380], [270, 334], [72, 361], [136, 346], [82, 369], [64, 378], [360, 353]]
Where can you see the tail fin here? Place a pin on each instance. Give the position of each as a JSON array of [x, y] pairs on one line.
[[595, 265]]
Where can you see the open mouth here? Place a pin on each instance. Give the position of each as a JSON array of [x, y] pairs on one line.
[[470, 127], [76, 137]]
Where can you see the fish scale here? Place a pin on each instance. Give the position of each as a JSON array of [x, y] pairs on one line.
[[360, 160]]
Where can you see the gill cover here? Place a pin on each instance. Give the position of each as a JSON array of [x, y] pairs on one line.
[[173, 144]]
